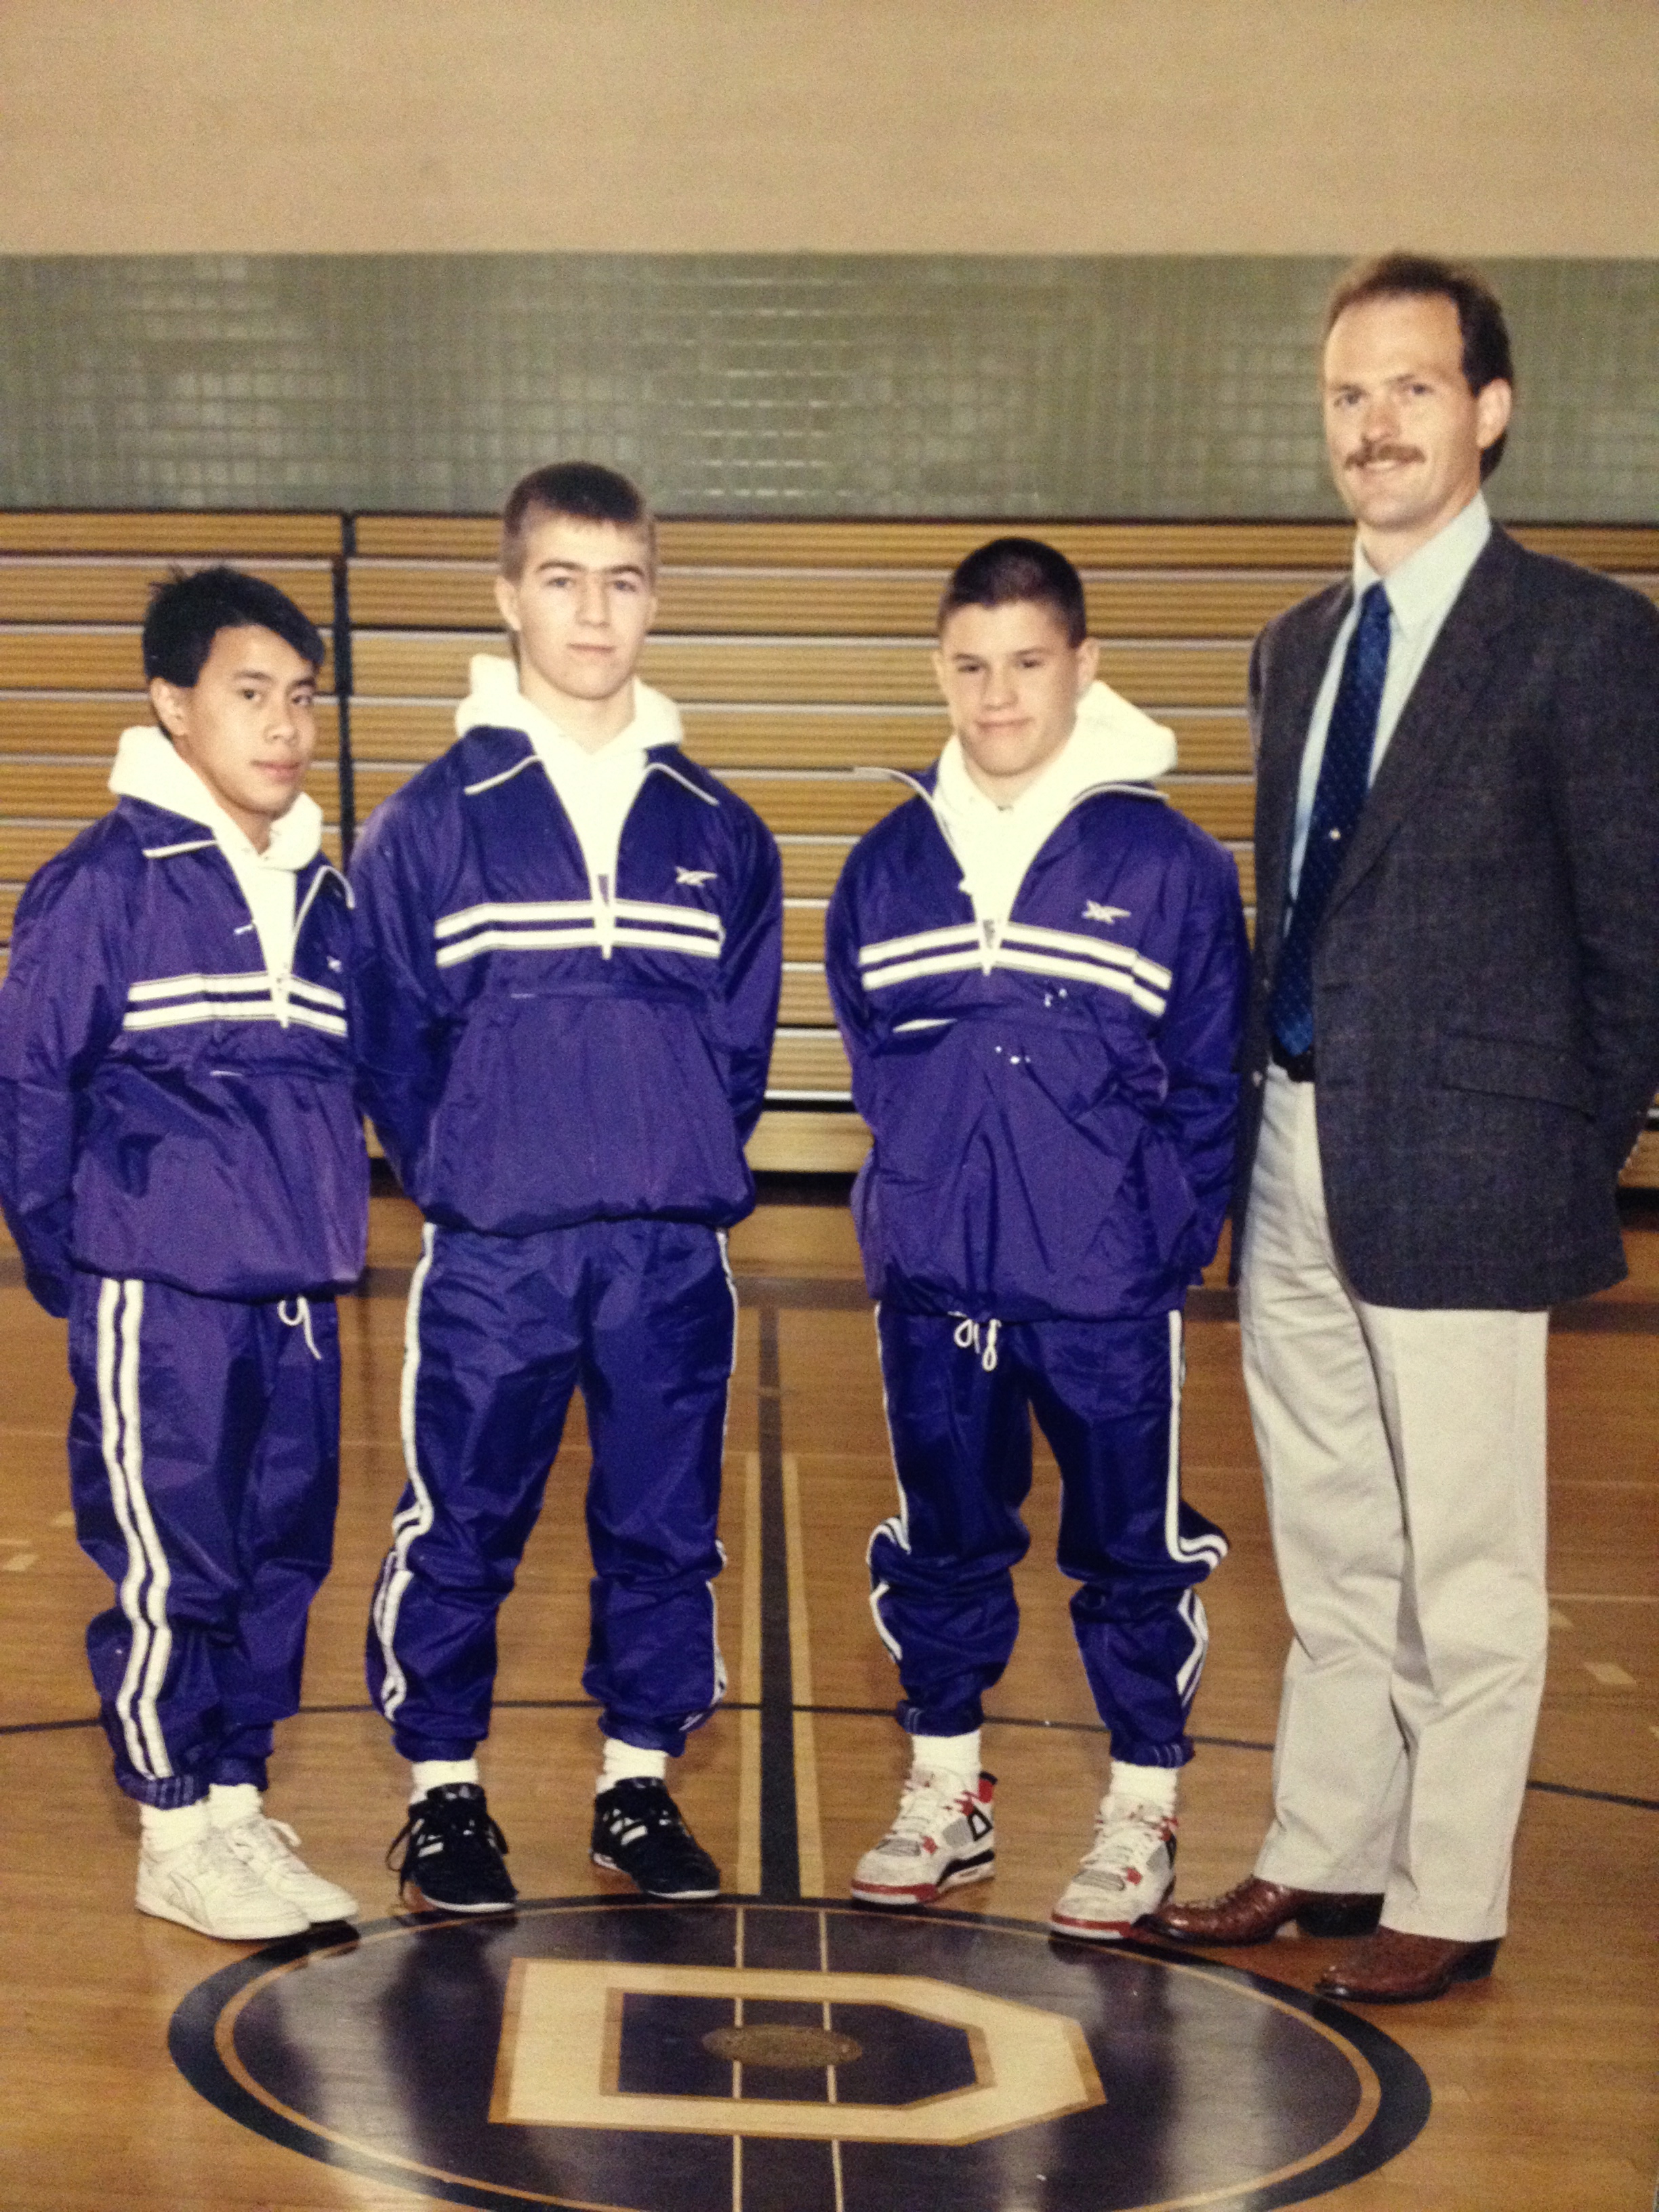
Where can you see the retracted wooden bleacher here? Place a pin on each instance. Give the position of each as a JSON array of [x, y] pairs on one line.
[[799, 652]]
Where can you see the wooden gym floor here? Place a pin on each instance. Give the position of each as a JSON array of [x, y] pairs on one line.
[[1542, 2081]]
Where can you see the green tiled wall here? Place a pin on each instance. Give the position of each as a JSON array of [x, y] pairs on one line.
[[1156, 387]]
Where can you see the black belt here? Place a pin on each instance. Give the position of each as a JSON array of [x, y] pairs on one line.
[[1299, 1066]]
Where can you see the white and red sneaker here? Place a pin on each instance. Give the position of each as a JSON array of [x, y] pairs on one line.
[[1127, 1872], [944, 1836]]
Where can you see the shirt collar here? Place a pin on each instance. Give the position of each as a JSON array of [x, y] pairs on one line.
[[1422, 589]]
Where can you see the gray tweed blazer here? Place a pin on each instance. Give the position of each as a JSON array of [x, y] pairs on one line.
[[1486, 977]]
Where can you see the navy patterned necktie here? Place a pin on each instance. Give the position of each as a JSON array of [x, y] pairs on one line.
[[1339, 797]]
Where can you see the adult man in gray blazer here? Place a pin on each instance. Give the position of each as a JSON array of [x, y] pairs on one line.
[[1453, 1040]]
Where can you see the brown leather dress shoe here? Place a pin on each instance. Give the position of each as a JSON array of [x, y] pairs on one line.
[[1393, 1968], [1257, 1910]]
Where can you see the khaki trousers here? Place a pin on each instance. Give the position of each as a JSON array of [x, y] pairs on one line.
[[1404, 1458]]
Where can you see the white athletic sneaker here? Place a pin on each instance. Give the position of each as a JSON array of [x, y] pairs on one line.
[[205, 1885], [944, 1836], [266, 1848], [1127, 1872]]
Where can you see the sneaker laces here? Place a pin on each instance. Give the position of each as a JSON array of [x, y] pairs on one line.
[[213, 1857], [645, 1805], [1123, 1835], [459, 1822], [260, 1841], [923, 1798]]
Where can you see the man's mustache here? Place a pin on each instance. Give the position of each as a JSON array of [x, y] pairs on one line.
[[1363, 456]]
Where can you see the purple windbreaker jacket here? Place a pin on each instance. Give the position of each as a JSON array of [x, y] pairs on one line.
[[530, 1062], [166, 1112], [1053, 1112]]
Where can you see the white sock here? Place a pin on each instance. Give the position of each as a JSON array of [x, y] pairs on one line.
[[1158, 1786], [170, 1828], [426, 1774], [956, 1756], [627, 1762], [228, 1803]]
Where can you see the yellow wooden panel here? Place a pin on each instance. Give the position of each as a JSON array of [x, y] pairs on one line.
[[434, 667], [1226, 809], [424, 595], [816, 737], [1213, 745], [1642, 1168], [1244, 860], [810, 1063], [55, 791], [30, 724], [8, 897], [87, 590], [806, 1000], [175, 532], [722, 543], [811, 866], [1616, 547], [823, 807], [740, 603], [23, 849], [429, 537], [804, 1140], [803, 932], [400, 730], [80, 660], [71, 660]]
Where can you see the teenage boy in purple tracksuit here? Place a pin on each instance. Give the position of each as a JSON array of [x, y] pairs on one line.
[[564, 986], [183, 1168], [1039, 969]]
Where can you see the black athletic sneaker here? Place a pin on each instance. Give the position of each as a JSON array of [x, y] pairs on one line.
[[638, 1832], [454, 1859]]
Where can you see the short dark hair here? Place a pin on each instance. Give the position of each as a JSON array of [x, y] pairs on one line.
[[1010, 569], [586, 491], [187, 613], [1400, 276]]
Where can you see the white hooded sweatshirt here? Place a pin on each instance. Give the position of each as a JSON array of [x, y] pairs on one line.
[[147, 767], [596, 789], [1112, 742]]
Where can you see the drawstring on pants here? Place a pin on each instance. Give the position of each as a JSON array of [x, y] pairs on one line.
[[300, 1318], [968, 1338]]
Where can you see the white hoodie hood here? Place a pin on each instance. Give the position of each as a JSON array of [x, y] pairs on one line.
[[147, 767], [595, 789], [1113, 742]]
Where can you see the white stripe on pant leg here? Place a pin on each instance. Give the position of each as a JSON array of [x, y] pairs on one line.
[[416, 1517], [109, 1300], [899, 1527], [720, 1681], [145, 1585], [1212, 1550], [1191, 1609], [161, 1580]]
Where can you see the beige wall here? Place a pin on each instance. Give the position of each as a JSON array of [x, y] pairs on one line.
[[1089, 126]]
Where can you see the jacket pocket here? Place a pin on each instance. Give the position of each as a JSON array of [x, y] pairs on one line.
[[1516, 1067]]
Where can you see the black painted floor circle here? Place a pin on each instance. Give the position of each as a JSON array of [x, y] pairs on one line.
[[792, 2058]]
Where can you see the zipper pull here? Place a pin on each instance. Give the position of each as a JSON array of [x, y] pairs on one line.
[[605, 916], [279, 998], [989, 932]]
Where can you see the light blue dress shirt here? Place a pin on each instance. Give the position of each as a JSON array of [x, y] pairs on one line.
[[1421, 592]]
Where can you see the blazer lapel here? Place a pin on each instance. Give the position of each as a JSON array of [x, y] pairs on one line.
[[1437, 713], [1286, 710]]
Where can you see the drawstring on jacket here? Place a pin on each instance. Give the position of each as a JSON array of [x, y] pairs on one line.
[[968, 1338], [300, 1318]]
